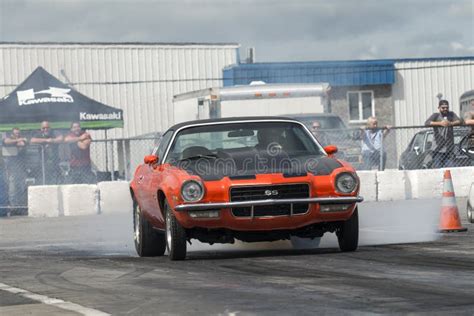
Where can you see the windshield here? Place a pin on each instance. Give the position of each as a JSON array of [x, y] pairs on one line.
[[228, 140]]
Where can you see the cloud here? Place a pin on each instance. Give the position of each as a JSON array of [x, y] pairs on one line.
[[279, 29]]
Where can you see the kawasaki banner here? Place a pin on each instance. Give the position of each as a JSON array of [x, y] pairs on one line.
[[42, 97]]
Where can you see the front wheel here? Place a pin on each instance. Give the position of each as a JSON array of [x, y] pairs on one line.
[[175, 236], [470, 216], [348, 233], [148, 242]]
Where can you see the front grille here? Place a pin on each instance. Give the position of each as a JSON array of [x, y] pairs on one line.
[[283, 191]]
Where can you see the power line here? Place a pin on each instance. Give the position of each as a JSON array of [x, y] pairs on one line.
[[268, 76]]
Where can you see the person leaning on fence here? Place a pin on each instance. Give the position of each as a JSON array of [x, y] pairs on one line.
[[442, 123], [320, 135], [80, 162], [49, 141], [469, 120], [372, 145], [13, 151]]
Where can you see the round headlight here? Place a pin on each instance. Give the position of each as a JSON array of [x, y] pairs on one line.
[[346, 182], [192, 191]]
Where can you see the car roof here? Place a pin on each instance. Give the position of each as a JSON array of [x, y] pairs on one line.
[[456, 131], [299, 115], [231, 120]]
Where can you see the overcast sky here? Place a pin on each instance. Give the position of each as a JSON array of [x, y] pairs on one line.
[[290, 30]]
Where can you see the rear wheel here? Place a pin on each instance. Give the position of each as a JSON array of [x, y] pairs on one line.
[[148, 242], [175, 235], [470, 216], [348, 233]]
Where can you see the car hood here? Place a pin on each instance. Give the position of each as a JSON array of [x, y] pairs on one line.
[[216, 169]]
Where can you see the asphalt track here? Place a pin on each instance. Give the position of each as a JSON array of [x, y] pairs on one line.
[[87, 265]]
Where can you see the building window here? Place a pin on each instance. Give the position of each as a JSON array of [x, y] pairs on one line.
[[361, 105]]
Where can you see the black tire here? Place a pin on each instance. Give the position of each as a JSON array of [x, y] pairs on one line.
[[175, 235], [148, 242], [470, 215], [348, 233]]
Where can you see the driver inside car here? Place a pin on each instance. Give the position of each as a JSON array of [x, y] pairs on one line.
[[269, 140]]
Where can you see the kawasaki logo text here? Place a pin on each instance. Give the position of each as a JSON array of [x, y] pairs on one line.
[[84, 116]]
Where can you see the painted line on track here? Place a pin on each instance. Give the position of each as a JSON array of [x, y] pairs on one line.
[[53, 301]]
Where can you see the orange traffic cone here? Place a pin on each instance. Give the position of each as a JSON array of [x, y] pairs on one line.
[[449, 220]]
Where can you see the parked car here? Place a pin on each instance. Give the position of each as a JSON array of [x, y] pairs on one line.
[[337, 133], [419, 152], [467, 146], [251, 179]]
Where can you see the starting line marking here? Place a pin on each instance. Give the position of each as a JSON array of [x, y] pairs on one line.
[[53, 301]]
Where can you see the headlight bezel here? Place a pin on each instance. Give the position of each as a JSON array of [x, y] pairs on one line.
[[344, 174], [189, 182]]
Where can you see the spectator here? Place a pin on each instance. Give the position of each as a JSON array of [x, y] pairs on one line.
[[3, 191], [469, 117], [320, 136], [469, 120], [13, 151], [49, 141], [80, 163], [372, 145], [443, 122]]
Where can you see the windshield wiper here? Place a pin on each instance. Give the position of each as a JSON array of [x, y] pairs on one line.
[[210, 156]]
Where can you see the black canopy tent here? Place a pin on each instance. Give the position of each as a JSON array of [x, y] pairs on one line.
[[42, 97]]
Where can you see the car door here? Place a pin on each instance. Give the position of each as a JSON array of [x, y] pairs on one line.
[[414, 152], [152, 178]]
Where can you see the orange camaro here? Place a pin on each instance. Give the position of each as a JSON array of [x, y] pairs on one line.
[[251, 179]]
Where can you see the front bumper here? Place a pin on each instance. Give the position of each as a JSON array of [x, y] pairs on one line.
[[214, 206]]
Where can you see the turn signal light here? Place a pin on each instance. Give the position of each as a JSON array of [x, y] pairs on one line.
[[204, 214], [334, 207]]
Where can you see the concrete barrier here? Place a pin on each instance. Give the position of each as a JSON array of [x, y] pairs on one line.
[[115, 197], [368, 185], [391, 185], [44, 201], [80, 199], [424, 184]]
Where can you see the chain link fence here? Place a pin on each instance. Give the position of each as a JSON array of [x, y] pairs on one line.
[[416, 147], [407, 148], [53, 164]]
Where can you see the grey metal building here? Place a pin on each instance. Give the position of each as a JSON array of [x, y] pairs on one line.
[[139, 78]]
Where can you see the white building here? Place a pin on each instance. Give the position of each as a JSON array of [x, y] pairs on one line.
[[139, 78]]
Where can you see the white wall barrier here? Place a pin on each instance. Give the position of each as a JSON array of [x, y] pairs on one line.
[[114, 197], [80, 199], [44, 201], [391, 185], [368, 185]]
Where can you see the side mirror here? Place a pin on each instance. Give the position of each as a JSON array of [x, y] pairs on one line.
[[150, 159], [330, 149], [416, 149]]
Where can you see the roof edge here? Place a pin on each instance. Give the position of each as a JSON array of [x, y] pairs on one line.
[[124, 43]]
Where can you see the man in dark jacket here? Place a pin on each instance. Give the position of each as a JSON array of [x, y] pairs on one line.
[[13, 151], [443, 122], [49, 141]]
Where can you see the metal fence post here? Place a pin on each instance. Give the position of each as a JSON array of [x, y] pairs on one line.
[[125, 163], [43, 168], [112, 161], [381, 153]]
